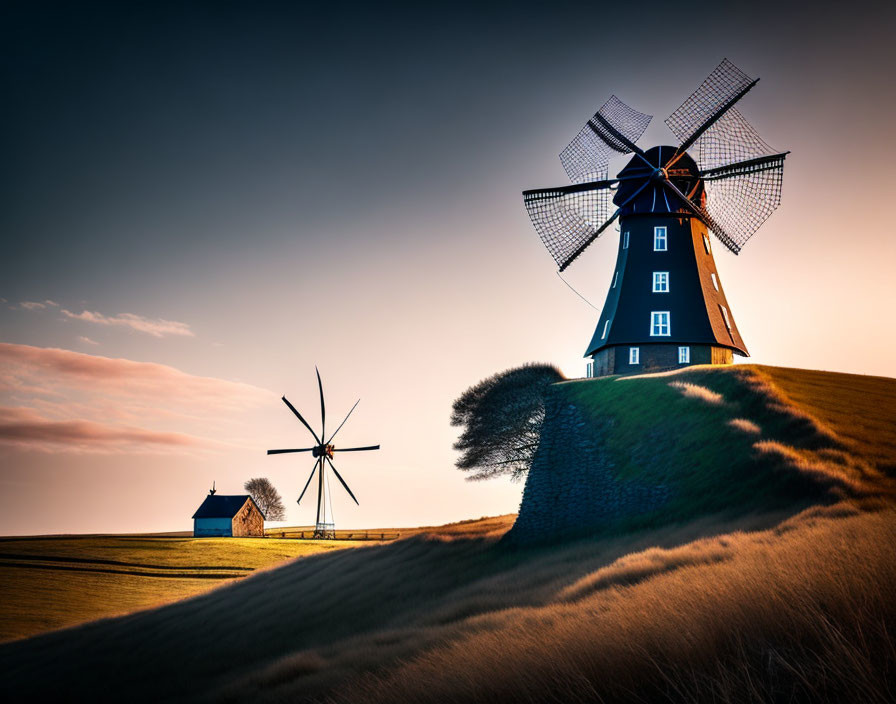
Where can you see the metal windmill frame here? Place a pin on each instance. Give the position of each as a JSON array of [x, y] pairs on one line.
[[323, 453]]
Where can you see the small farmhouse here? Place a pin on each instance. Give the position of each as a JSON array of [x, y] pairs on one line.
[[236, 516]]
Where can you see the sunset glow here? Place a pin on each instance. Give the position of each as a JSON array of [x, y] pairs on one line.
[[199, 207]]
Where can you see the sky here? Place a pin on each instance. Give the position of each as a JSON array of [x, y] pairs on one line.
[[199, 202]]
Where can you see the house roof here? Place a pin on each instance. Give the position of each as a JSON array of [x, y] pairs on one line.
[[218, 506]]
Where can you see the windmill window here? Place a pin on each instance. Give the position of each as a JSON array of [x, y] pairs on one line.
[[634, 355], [589, 370], [660, 240], [715, 281], [606, 328], [684, 355], [659, 324], [661, 282], [625, 240], [725, 316], [706, 244], [615, 279]]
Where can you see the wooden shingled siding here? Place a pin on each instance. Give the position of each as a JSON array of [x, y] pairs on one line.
[[248, 521]]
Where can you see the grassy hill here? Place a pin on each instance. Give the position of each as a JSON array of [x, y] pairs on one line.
[[779, 602], [619, 453]]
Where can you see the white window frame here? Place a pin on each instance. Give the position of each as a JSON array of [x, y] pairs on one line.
[[661, 282], [606, 329], [715, 281], [589, 370], [634, 355], [615, 279], [625, 240], [706, 244], [660, 238], [725, 316], [657, 326], [684, 355]]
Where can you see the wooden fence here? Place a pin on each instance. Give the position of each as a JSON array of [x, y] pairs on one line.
[[337, 535]]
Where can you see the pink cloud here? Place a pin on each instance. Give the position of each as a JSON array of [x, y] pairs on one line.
[[157, 327], [120, 403], [121, 376], [32, 305], [87, 340], [23, 427]]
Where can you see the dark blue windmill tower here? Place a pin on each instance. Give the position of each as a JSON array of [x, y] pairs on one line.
[[666, 306]]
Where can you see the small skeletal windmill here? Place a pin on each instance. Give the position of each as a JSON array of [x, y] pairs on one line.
[[665, 305], [323, 453]]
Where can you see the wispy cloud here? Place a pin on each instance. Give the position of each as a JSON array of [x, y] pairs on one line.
[[118, 404], [157, 327], [37, 305], [87, 340], [23, 427]]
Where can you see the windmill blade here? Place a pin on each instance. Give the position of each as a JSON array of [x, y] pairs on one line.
[[343, 422], [342, 481], [356, 449], [310, 477], [716, 95], [729, 141], [741, 197], [283, 452], [611, 131], [323, 411], [554, 222], [569, 217], [742, 175], [304, 422]]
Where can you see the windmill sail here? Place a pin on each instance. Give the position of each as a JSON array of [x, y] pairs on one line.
[[716, 95], [587, 156], [742, 176], [567, 219]]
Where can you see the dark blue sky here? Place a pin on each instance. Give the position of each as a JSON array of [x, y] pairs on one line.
[[135, 129]]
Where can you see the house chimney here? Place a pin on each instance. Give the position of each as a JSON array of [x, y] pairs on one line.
[[211, 492]]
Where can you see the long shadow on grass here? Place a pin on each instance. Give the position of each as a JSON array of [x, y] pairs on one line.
[[370, 604]]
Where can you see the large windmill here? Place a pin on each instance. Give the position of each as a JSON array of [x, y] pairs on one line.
[[665, 305], [323, 453]]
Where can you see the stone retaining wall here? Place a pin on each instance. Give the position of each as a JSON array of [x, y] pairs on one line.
[[572, 489]]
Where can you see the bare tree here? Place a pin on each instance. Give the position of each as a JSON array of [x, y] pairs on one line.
[[502, 418], [267, 498]]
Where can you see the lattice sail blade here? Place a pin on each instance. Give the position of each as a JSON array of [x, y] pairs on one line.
[[742, 175], [721, 89], [587, 156], [731, 139], [567, 218], [741, 197]]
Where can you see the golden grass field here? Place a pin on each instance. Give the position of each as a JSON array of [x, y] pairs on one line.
[[52, 582], [786, 605]]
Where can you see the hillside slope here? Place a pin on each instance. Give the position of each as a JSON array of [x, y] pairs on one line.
[[624, 452], [781, 602]]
